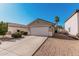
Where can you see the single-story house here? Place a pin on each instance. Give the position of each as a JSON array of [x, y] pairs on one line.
[[72, 23], [41, 28], [38, 27], [13, 27]]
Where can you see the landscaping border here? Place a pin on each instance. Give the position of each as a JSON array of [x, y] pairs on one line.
[[39, 47]]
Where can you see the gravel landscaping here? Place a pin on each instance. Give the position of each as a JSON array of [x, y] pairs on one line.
[[59, 45]]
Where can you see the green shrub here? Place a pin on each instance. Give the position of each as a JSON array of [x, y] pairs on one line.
[[3, 28], [18, 30], [16, 35], [24, 33]]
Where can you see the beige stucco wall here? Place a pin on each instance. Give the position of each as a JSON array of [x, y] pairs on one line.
[[72, 23], [78, 21], [14, 29]]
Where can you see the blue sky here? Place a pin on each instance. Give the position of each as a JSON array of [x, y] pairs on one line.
[[24, 13]]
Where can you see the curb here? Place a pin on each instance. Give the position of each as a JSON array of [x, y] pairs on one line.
[[39, 47]]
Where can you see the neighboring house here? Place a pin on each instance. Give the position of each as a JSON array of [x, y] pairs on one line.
[[59, 29], [13, 27], [72, 24], [41, 28]]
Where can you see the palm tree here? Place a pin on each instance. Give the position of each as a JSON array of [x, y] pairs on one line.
[[56, 20], [56, 23]]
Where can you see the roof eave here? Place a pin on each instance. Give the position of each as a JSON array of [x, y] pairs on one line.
[[72, 15]]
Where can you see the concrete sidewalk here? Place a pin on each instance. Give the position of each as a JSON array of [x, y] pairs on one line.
[[23, 47]]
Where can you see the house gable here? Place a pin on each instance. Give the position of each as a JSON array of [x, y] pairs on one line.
[[40, 22]]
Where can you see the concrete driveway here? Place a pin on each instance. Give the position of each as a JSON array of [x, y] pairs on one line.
[[21, 47]]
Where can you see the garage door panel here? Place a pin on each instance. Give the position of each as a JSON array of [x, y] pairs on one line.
[[40, 31]]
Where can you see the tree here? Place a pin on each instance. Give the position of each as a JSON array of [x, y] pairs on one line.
[[56, 20], [3, 28], [56, 23]]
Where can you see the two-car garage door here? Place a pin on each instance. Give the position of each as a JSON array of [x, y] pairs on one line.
[[42, 31]]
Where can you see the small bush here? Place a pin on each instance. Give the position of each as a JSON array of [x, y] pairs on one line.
[[77, 35], [24, 33], [16, 35], [18, 30], [56, 31]]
